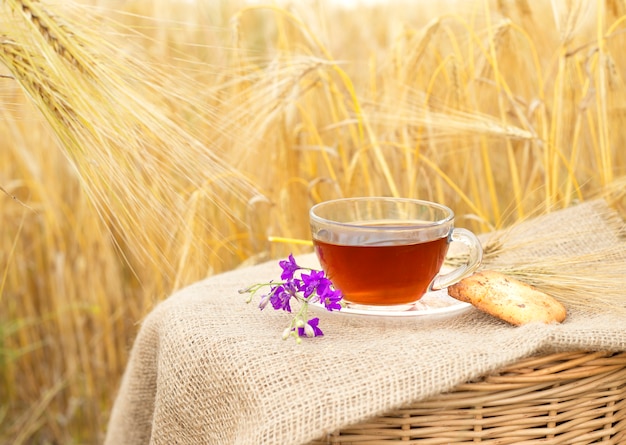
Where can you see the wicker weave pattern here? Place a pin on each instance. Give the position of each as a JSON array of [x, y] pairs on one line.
[[566, 398]]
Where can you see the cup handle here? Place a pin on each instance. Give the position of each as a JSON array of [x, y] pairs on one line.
[[474, 259]]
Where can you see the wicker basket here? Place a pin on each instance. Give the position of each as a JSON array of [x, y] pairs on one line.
[[565, 398]]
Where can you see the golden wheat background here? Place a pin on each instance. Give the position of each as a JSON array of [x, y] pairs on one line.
[[148, 144]]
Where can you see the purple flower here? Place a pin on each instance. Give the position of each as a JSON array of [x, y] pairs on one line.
[[315, 282], [264, 300], [282, 294], [289, 267], [310, 329], [331, 298], [306, 288]]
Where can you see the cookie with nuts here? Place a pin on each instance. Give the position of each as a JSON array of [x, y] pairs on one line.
[[507, 298]]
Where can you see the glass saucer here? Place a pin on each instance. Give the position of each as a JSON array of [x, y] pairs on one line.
[[433, 305]]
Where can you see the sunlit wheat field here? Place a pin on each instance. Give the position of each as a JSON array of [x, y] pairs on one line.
[[146, 145]]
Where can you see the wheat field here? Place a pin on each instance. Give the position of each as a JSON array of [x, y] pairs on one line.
[[145, 145]]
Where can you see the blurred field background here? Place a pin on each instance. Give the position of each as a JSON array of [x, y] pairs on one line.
[[147, 144]]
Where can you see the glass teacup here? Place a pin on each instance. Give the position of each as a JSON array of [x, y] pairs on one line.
[[386, 253]]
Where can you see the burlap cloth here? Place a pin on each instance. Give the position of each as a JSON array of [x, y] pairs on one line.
[[206, 368]]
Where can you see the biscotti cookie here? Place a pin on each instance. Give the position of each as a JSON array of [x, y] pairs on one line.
[[507, 298]]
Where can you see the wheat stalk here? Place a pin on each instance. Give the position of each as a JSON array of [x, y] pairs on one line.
[[56, 34], [196, 144], [564, 261], [106, 106]]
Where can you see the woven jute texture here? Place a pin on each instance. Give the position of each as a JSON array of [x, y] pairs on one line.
[[206, 368]]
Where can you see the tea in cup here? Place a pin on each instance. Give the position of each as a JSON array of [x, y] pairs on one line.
[[386, 253]]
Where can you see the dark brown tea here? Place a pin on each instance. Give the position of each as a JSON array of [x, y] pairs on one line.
[[382, 275]]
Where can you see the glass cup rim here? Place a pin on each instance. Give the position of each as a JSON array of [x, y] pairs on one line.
[[448, 212]]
